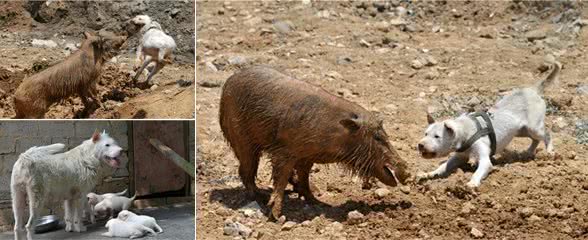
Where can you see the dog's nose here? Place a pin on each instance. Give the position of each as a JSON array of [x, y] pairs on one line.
[[420, 146]]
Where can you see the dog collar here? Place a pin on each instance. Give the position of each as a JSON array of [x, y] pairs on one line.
[[488, 130]]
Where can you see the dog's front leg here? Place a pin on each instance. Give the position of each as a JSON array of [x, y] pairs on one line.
[[68, 218], [484, 168], [78, 224], [444, 169]]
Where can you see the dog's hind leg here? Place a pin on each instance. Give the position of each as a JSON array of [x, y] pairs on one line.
[[68, 215], [19, 207], [77, 216], [158, 66], [538, 135], [145, 63], [34, 207]]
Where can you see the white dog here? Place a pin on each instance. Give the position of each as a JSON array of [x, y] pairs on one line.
[[48, 173], [119, 228], [146, 221], [519, 114], [155, 46], [94, 199], [115, 204]]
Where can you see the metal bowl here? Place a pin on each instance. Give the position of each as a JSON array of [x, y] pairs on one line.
[[47, 224]]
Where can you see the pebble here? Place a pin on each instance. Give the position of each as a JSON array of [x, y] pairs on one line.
[[211, 66], [468, 208], [433, 74], [525, 212], [236, 229], [534, 218], [283, 26], [341, 60], [334, 75], [476, 233], [237, 60], [405, 189], [306, 223], [431, 61], [282, 219], [381, 192], [209, 84], [383, 26], [582, 89], [354, 217], [364, 43], [288, 226], [416, 64], [535, 35]]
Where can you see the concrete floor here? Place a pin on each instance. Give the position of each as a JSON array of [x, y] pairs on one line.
[[176, 221]]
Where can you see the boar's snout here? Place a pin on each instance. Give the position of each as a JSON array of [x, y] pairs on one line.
[[393, 172]]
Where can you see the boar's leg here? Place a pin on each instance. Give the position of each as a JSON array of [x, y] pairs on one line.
[[282, 169], [248, 164], [300, 180]]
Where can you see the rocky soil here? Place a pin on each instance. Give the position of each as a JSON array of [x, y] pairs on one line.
[[402, 58], [37, 34]]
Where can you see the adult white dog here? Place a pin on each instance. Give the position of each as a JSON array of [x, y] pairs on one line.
[[47, 174], [155, 46]]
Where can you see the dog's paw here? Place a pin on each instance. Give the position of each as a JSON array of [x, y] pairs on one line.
[[473, 185], [421, 176]]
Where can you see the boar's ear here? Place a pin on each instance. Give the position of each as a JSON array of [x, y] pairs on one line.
[[430, 119]]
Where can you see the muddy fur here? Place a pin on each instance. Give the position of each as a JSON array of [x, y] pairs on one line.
[[298, 125], [76, 75]]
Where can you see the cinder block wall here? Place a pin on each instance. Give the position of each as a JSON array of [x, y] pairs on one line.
[[17, 137]]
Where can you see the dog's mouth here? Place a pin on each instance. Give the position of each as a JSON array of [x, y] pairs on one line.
[[428, 155], [113, 161]]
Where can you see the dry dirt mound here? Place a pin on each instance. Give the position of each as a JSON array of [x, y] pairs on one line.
[[401, 58]]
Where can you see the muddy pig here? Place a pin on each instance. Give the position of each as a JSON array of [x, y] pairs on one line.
[[298, 125], [76, 75]]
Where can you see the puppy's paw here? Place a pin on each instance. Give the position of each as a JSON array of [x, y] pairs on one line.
[[421, 176]]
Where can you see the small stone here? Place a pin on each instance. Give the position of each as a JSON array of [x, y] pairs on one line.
[[535, 35], [405, 189], [283, 26], [431, 61], [154, 87], [476, 233], [354, 217], [288, 226], [525, 212], [364, 43], [337, 226], [342, 60], [433, 74], [468, 208], [334, 75], [211, 66], [237, 60], [383, 26], [236, 229], [436, 29], [209, 84], [381, 192], [582, 89], [534, 218], [282, 219], [306, 223], [416, 64]]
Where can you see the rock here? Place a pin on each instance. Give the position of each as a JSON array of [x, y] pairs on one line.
[[534, 218], [431, 61], [468, 208], [433, 74], [401, 11], [282, 219], [283, 26], [236, 229], [381, 192], [582, 89], [306, 223], [572, 155], [397, 22], [405, 189], [476, 233], [336, 226], [436, 29], [416, 64], [382, 26], [211, 66], [323, 14], [364, 43], [183, 83], [237, 60], [254, 21], [154, 87], [410, 28], [342, 60], [344, 92], [559, 124], [209, 84], [525, 212], [44, 43], [288, 226], [354, 217], [252, 209], [535, 35]]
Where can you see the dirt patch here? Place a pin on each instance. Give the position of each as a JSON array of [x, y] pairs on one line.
[[401, 58]]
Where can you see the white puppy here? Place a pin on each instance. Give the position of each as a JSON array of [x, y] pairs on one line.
[[155, 46], [94, 199], [146, 221], [47, 173], [113, 205], [519, 114], [119, 228]]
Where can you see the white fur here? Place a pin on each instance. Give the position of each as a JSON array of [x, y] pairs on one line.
[[155, 46], [94, 199], [113, 205], [146, 221], [47, 174], [119, 228], [519, 114]]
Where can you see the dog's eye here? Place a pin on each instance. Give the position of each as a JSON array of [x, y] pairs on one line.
[[108, 145], [436, 136]]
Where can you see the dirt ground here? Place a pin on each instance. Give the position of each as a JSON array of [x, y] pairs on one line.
[[401, 58], [64, 22]]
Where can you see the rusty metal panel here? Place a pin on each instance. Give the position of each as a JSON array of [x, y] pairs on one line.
[[153, 172]]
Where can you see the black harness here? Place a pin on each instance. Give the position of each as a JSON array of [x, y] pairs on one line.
[[489, 130]]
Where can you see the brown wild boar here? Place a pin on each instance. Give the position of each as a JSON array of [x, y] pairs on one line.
[[298, 125], [77, 74]]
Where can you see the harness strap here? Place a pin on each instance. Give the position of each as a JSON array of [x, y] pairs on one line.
[[489, 130]]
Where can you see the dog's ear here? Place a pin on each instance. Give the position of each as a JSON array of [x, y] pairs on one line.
[[96, 136], [430, 119], [451, 127]]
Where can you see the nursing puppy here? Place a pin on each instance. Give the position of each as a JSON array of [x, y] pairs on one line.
[[113, 205], [94, 199], [519, 114], [119, 228], [155, 46], [49, 173], [146, 221]]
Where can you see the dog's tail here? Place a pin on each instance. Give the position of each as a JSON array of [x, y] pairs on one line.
[[47, 150], [540, 86], [122, 193], [134, 196]]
